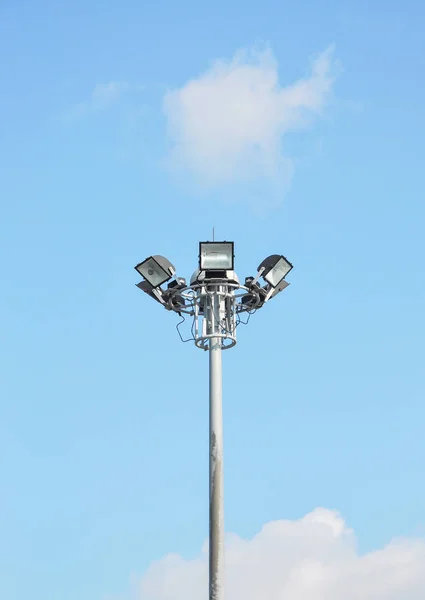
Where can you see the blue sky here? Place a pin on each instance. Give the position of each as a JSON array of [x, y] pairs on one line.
[[103, 422]]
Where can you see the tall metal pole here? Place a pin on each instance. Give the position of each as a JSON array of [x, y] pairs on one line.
[[216, 539], [214, 299]]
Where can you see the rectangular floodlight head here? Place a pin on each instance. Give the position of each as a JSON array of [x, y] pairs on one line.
[[156, 270], [278, 271], [216, 256]]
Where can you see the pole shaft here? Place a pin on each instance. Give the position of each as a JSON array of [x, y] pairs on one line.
[[216, 539]]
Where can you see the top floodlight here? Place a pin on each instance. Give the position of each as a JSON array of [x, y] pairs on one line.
[[274, 269], [216, 256], [156, 270]]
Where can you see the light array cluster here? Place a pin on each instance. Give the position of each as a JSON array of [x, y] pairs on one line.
[[215, 268]]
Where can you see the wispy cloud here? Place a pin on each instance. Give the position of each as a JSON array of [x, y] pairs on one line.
[[105, 93], [103, 96], [229, 123], [313, 558]]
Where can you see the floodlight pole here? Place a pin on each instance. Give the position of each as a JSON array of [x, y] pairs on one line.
[[214, 299], [216, 507]]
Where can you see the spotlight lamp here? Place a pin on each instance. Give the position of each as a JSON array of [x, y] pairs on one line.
[[216, 256], [274, 269], [214, 274], [156, 270]]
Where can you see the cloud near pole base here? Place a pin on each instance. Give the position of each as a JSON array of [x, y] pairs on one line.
[[229, 124], [313, 558]]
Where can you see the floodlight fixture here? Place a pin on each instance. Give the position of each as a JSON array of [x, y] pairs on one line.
[[274, 269], [156, 270], [216, 256]]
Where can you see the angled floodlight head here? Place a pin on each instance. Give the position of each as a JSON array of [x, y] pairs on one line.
[[156, 270], [154, 293], [216, 256], [274, 269]]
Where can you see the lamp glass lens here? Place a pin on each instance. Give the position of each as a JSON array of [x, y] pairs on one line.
[[153, 273], [216, 256], [279, 271]]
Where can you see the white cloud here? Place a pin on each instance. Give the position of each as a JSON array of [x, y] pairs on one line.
[[313, 558], [229, 124], [103, 96]]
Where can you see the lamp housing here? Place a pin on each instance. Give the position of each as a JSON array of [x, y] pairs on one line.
[[216, 256], [274, 269], [156, 270]]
